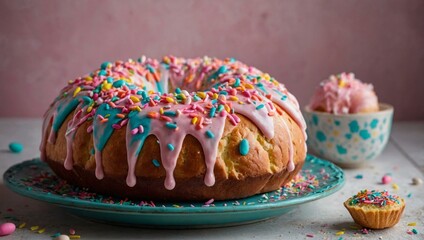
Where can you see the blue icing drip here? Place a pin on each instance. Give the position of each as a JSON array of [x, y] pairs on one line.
[[159, 87], [134, 122], [103, 136], [348, 135], [354, 126], [63, 112]]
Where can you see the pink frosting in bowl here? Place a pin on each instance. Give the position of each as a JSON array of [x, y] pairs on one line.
[[344, 94]]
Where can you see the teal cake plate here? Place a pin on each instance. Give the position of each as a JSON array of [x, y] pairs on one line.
[[34, 179]]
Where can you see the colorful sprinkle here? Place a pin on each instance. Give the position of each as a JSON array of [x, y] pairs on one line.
[[171, 125], [212, 112], [156, 163], [210, 201], [260, 106], [169, 99], [77, 90], [105, 65], [386, 179], [209, 134], [416, 181], [7, 228], [22, 225], [170, 147], [244, 147], [62, 237], [359, 176], [33, 228]]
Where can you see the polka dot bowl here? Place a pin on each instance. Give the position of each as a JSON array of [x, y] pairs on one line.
[[348, 140]]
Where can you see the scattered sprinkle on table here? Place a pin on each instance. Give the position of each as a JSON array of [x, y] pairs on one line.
[[7, 228], [395, 186], [416, 181], [359, 176], [386, 179], [16, 147], [62, 237]]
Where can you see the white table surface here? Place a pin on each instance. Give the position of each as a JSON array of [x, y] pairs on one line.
[[403, 158]]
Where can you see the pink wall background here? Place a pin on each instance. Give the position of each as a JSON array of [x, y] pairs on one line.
[[45, 43]]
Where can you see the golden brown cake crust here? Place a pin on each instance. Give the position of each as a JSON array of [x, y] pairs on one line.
[[263, 169]]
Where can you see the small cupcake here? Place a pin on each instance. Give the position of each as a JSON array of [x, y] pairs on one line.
[[344, 94], [375, 209]]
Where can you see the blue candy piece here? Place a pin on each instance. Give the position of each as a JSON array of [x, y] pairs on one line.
[[16, 147], [244, 147]]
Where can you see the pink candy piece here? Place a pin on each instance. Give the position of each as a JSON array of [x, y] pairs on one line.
[[386, 179], [7, 229]]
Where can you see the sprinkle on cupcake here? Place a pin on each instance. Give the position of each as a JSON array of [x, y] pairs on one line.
[[374, 197]]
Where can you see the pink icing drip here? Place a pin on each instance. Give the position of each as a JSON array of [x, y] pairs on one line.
[[291, 166], [99, 168], [70, 134], [68, 164], [167, 136], [47, 118], [258, 117], [52, 135]]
